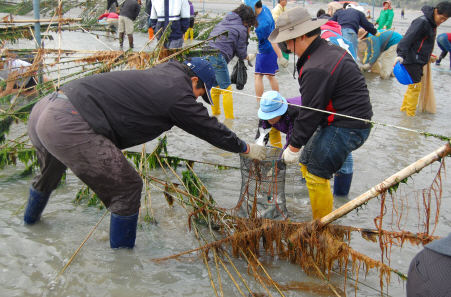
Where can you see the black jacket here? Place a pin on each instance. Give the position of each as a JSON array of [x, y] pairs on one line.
[[417, 44], [148, 8], [353, 18], [130, 9], [136, 106], [110, 3], [329, 79]]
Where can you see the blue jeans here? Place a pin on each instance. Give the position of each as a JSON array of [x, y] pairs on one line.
[[443, 42], [329, 147], [351, 36], [348, 166], [221, 71]]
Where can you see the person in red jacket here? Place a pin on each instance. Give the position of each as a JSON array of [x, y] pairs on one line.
[[111, 21], [444, 43]]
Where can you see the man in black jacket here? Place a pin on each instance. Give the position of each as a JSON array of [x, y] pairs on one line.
[[350, 20], [112, 6], [129, 12], [415, 49], [329, 80], [86, 124]]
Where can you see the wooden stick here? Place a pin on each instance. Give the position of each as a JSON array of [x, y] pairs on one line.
[[56, 279], [325, 279], [264, 270], [380, 188], [233, 279], [42, 21]]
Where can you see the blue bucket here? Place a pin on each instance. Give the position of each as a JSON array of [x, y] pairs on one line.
[[402, 75]]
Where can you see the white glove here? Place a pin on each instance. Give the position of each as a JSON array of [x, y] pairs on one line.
[[378, 34], [282, 62], [366, 67], [263, 133], [255, 152], [290, 157], [398, 59], [251, 57]]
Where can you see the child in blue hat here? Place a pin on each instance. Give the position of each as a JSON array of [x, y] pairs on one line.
[[280, 113]]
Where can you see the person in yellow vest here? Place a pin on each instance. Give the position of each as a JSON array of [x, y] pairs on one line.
[[280, 7]]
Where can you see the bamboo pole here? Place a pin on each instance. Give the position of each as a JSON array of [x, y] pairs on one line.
[[81, 245], [42, 21], [380, 188]]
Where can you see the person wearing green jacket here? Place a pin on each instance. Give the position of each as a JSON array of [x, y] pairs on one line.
[[385, 19]]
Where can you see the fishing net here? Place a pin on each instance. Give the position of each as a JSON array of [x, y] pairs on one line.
[[263, 187]]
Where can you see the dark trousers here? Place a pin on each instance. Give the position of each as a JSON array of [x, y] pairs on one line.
[[64, 139], [415, 71], [429, 275]]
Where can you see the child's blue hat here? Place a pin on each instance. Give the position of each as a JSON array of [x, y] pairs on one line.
[[272, 105]]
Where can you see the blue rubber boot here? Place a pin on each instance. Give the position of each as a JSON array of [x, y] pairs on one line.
[[342, 184], [123, 231], [35, 206]]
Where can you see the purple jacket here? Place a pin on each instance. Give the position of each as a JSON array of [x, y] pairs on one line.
[[236, 43], [286, 123]]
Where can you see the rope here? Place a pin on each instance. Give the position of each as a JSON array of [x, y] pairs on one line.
[[94, 37], [441, 137]]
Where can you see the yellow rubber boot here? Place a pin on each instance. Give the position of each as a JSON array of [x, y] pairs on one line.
[[303, 170], [274, 138], [215, 93], [186, 36], [191, 33], [412, 100], [406, 97], [320, 193], [227, 102]]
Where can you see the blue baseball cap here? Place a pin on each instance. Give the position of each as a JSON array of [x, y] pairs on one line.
[[272, 105], [204, 70]]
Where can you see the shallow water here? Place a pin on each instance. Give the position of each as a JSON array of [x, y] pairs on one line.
[[31, 257]]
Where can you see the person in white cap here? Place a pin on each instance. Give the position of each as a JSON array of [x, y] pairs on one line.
[[329, 80]]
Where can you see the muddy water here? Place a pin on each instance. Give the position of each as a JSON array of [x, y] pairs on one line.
[[31, 257]]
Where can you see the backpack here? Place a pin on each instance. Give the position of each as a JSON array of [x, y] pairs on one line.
[[341, 42]]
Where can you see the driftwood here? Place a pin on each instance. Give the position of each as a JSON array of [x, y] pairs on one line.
[[380, 188]]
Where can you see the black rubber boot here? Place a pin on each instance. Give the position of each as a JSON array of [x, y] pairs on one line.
[[342, 184], [130, 40], [121, 39], [441, 57], [35, 206], [123, 231]]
